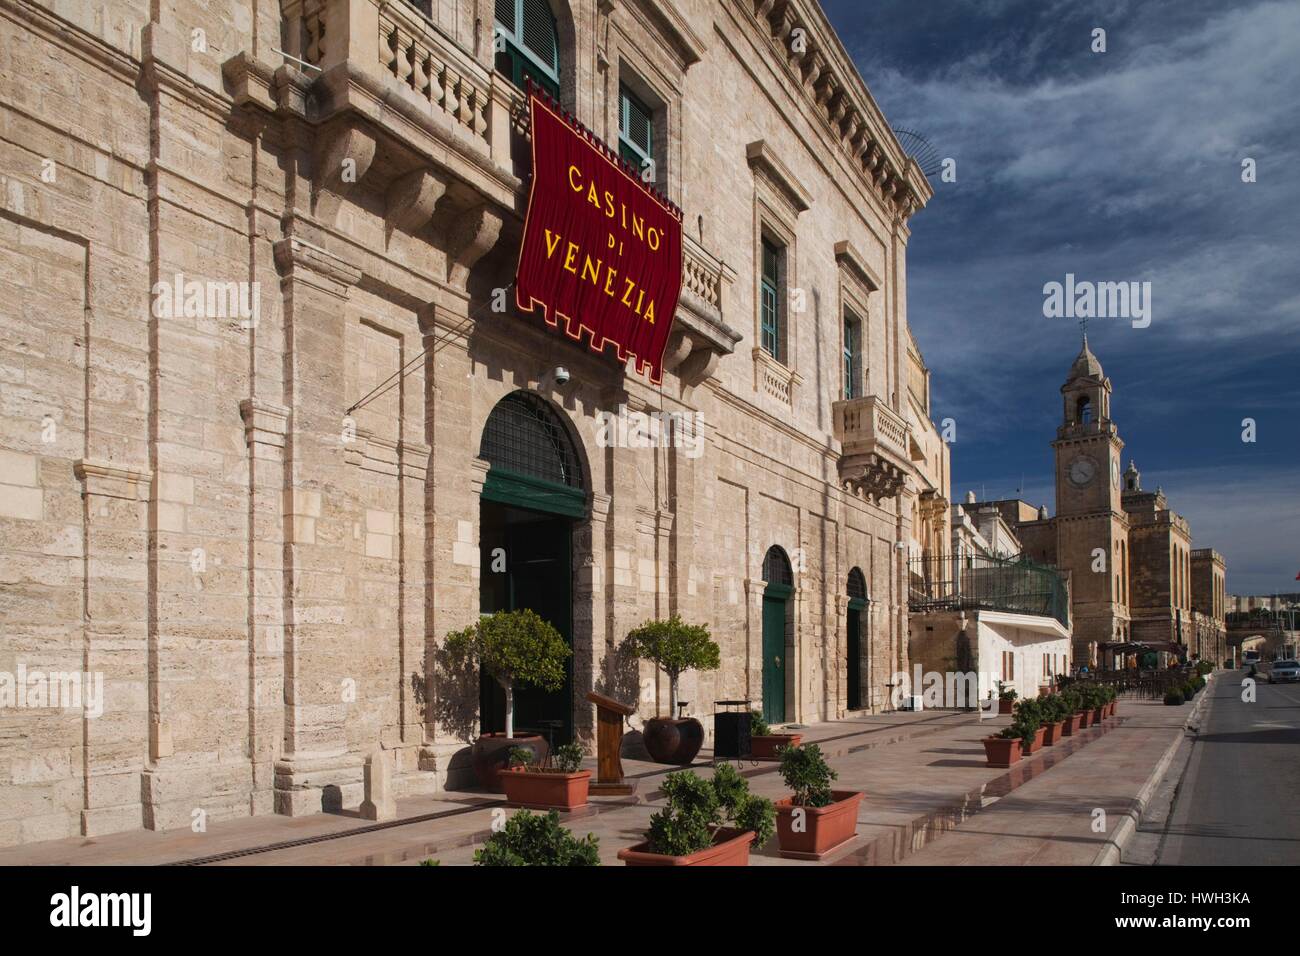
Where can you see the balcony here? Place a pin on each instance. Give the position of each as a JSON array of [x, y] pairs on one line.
[[979, 583], [874, 446]]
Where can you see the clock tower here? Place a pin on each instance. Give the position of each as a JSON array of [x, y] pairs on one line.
[[1091, 525]]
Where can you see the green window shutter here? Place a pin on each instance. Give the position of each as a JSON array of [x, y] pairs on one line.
[[505, 13], [530, 44], [770, 300]]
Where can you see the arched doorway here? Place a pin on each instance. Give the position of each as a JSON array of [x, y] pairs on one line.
[[857, 617], [776, 597], [532, 496]]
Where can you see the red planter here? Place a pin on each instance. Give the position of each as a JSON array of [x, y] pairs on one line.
[[730, 848], [824, 829], [1098, 714], [1002, 751], [1070, 725], [1006, 707], [546, 789], [1114, 707], [1085, 719], [1036, 744], [765, 747], [1052, 732], [491, 755]]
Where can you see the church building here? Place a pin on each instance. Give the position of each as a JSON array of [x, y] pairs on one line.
[[1129, 556]]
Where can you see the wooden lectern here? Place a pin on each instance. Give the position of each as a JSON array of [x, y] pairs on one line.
[[610, 715]]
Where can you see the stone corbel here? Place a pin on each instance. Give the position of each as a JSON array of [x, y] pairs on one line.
[[471, 236], [333, 179], [105, 479], [410, 201]]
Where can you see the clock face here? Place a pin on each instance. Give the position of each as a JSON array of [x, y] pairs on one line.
[[1082, 470], [1114, 472]]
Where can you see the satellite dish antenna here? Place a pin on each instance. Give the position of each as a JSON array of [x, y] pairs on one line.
[[920, 149]]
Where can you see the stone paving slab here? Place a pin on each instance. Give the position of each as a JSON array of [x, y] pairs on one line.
[[924, 776], [1049, 819], [368, 843]]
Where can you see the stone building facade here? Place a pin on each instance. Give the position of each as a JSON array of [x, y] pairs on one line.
[[258, 403], [1128, 555]]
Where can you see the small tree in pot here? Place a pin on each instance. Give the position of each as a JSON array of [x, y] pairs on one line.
[[675, 647], [516, 649], [693, 830], [562, 786], [814, 820], [530, 839]]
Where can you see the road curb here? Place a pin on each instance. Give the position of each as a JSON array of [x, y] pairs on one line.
[[1110, 854]]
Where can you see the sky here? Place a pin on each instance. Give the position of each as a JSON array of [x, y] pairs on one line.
[[1115, 166]]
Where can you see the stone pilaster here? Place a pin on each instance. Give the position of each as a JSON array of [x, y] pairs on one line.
[[315, 770], [116, 503], [266, 426]]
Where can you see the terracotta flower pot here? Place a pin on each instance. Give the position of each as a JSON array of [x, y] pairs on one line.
[[546, 789], [730, 848], [1002, 751], [1098, 714], [1114, 707], [673, 740], [823, 828], [1052, 732], [1006, 707], [491, 755], [765, 747], [1036, 743], [1070, 725], [1085, 719]]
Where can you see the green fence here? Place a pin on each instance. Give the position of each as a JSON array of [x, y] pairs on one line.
[[983, 583]]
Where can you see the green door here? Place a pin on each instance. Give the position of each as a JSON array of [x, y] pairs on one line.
[[774, 663], [855, 657]]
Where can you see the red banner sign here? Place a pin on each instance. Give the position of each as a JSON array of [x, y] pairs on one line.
[[602, 252]]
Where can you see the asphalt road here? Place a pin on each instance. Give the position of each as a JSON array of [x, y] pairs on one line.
[[1237, 801]]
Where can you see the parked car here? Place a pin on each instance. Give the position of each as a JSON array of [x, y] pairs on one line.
[[1284, 672]]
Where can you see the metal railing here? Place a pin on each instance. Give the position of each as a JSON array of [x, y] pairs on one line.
[[976, 582]]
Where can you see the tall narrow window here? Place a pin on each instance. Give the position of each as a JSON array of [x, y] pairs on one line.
[[527, 43], [636, 132], [852, 356], [771, 311]]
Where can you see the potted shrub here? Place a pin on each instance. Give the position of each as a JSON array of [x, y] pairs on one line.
[[530, 839], [1054, 715], [1004, 748], [706, 822], [561, 786], [1006, 700], [1072, 721], [1029, 713], [765, 745], [674, 647], [1174, 698], [814, 820], [515, 648], [1096, 699]]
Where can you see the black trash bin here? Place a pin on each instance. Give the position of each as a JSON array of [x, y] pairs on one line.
[[731, 729]]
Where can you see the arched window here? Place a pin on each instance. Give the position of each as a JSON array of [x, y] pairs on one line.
[[1083, 410], [527, 43], [857, 585], [776, 567], [525, 438]]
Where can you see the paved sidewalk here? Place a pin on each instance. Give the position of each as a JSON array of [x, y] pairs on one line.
[[1057, 818], [924, 776]]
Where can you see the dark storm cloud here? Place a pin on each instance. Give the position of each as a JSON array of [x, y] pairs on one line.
[[1122, 166]]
